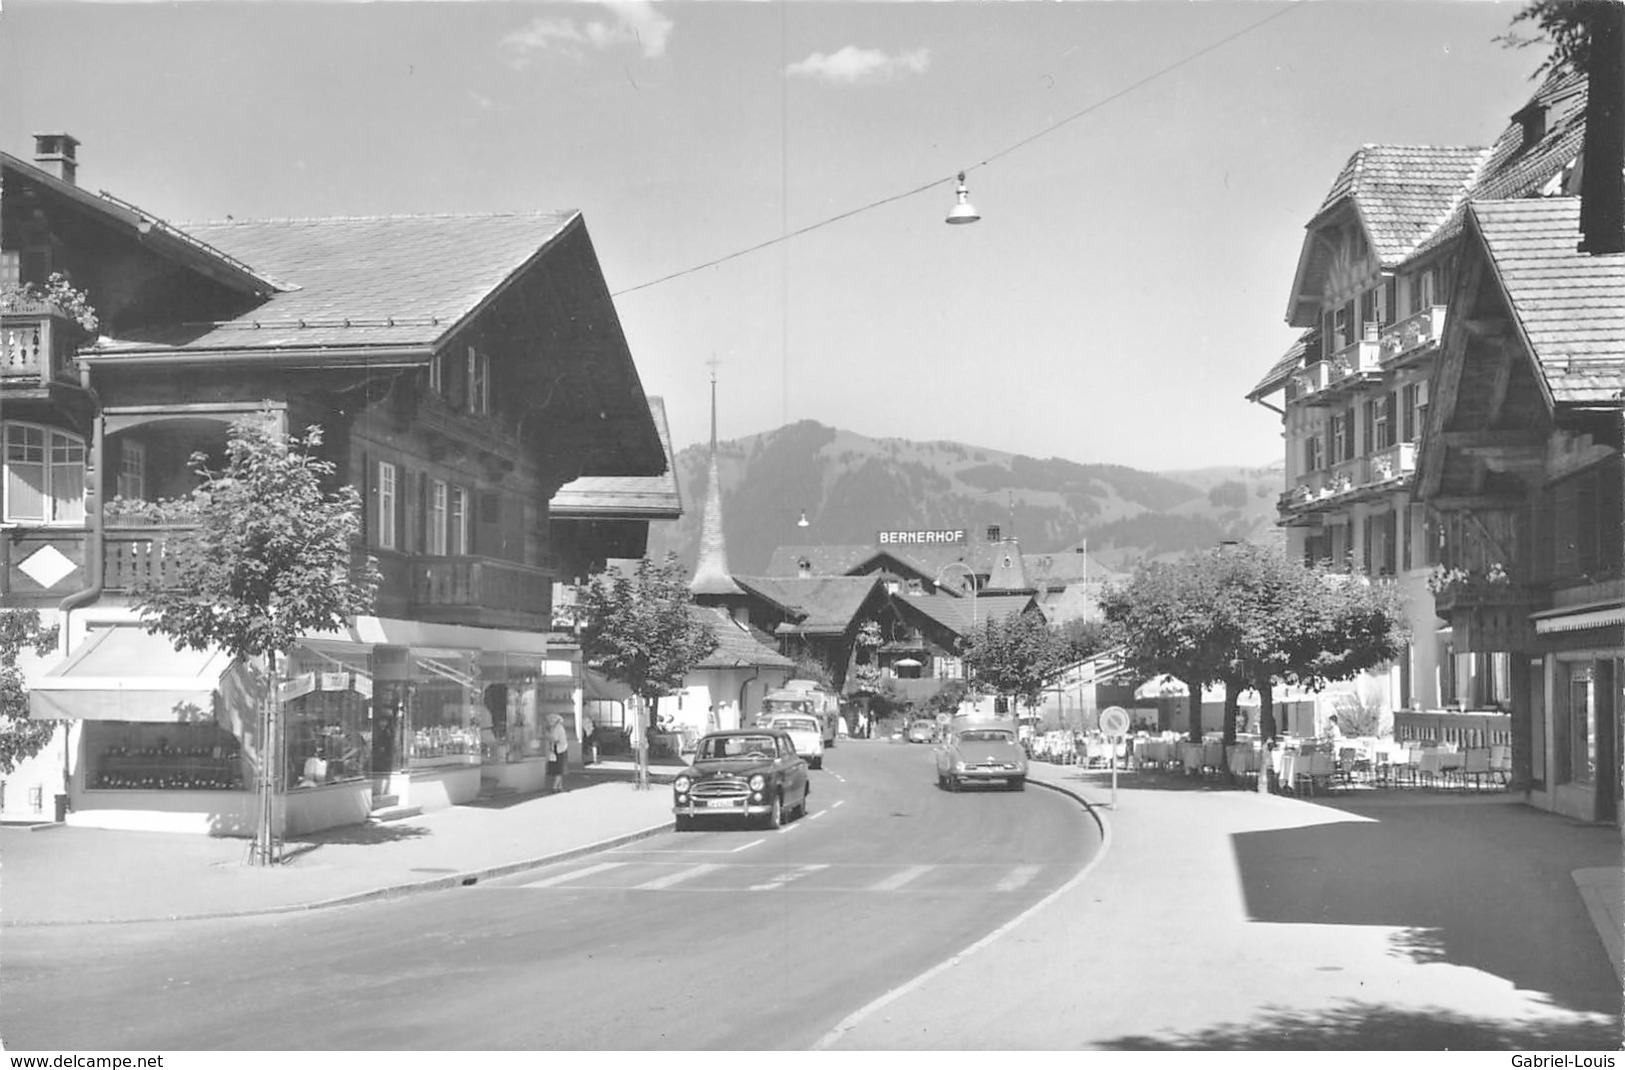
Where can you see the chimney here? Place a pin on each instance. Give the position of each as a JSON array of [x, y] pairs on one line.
[[1602, 181], [55, 153], [993, 533], [803, 568]]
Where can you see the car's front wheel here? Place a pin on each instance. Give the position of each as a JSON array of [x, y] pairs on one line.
[[775, 813], [685, 823], [1018, 783], [817, 763]]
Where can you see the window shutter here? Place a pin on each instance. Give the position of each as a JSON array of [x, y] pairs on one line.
[[1390, 300], [369, 499]]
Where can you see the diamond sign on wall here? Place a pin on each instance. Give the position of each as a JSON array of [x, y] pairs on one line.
[[46, 566]]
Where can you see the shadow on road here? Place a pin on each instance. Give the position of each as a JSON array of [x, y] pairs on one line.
[[1364, 1026]]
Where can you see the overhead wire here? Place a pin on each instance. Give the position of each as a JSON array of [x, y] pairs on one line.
[[954, 177]]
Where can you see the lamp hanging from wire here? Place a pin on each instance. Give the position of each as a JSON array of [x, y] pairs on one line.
[[802, 523], [963, 211]]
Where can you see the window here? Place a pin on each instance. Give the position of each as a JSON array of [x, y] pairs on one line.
[[1314, 454], [1424, 287], [436, 384], [479, 382], [436, 543], [45, 475], [457, 524], [384, 535], [1341, 446], [1383, 421], [132, 469]]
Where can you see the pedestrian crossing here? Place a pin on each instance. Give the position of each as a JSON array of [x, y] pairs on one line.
[[657, 874]]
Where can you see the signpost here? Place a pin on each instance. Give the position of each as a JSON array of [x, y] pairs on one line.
[[1114, 725]]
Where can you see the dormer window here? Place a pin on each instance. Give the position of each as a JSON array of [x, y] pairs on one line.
[[1533, 120]]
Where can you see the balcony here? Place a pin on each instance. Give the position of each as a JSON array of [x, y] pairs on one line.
[[1348, 481], [1412, 336], [481, 591], [36, 349], [140, 553]]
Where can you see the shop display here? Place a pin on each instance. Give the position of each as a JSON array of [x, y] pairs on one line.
[[165, 768]]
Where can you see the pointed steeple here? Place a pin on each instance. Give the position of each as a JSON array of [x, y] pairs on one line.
[[712, 580]]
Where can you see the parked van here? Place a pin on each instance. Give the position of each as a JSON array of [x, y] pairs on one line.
[[821, 703]]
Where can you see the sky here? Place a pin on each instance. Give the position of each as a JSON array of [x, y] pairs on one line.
[[1144, 171]]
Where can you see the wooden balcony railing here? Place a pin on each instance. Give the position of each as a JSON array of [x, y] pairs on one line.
[[36, 348], [139, 554], [500, 588]]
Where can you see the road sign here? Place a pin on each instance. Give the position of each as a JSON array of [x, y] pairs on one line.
[[1114, 722]]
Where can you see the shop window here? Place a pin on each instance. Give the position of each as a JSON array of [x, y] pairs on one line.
[[44, 475], [442, 701], [326, 714], [182, 756]]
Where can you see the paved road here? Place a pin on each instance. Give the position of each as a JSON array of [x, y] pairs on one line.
[[728, 938]]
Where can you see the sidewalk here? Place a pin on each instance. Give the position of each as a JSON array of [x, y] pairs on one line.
[[62, 875], [1215, 918]]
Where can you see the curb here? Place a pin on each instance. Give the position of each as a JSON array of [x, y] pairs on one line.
[[394, 891]]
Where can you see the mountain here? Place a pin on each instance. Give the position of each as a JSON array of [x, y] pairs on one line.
[[851, 487]]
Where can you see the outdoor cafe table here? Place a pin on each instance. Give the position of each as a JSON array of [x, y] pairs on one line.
[[1152, 752], [1244, 760], [1432, 762]]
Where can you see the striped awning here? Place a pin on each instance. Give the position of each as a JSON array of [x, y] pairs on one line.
[[1579, 618]]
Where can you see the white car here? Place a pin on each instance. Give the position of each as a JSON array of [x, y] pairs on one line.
[[805, 732]]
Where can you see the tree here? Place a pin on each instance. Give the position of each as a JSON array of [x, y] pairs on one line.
[[638, 630], [1015, 656], [271, 558], [1561, 24], [1247, 616], [20, 737], [1083, 638], [1166, 619], [1299, 624]]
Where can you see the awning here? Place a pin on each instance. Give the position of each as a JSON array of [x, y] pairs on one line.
[[1576, 618], [908, 663], [125, 674]]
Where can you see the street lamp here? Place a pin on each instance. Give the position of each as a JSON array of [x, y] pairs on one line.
[[970, 577]]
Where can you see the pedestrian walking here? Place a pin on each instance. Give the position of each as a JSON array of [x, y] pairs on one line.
[[558, 749]]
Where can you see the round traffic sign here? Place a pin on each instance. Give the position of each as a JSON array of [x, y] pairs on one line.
[[1114, 721]]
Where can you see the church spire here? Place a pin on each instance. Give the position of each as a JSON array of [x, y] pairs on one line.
[[711, 575]]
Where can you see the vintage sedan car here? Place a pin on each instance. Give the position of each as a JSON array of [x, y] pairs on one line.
[[922, 732], [982, 754], [746, 772], [805, 732]]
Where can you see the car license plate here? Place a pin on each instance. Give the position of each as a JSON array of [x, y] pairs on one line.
[[718, 804]]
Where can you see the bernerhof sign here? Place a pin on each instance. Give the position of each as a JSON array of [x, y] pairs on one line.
[[922, 538]]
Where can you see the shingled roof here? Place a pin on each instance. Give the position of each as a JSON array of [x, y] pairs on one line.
[[820, 605], [1520, 168], [1570, 306], [1290, 361], [1403, 193], [400, 281], [738, 645]]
